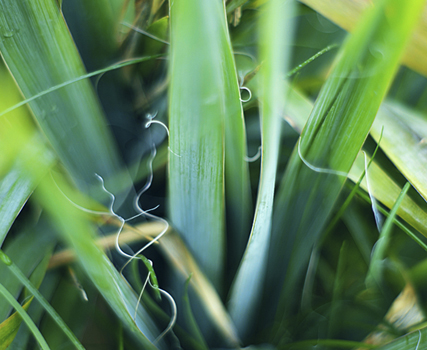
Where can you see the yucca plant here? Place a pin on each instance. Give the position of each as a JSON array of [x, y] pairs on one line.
[[133, 215]]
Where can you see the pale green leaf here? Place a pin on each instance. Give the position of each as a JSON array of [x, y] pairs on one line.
[[15, 189], [40, 53], [384, 189], [274, 52], [330, 142], [206, 131], [404, 142]]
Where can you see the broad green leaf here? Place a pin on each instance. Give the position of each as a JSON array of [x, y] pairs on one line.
[[9, 327], [383, 188], [75, 229], [39, 52], [330, 142], [347, 13], [274, 46], [205, 117]]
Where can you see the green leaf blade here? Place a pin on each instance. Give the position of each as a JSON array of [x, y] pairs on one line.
[[274, 52], [9, 327], [76, 231], [207, 138], [331, 141], [404, 142], [41, 54]]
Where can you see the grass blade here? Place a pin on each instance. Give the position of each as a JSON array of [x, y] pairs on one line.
[[375, 268], [15, 189], [26, 282], [329, 143], [28, 321], [37, 27], [15, 185], [383, 188], [9, 327], [27, 251], [205, 116], [274, 52], [77, 232], [181, 259], [190, 320], [404, 142]]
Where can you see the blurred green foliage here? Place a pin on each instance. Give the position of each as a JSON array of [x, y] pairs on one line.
[[90, 170]]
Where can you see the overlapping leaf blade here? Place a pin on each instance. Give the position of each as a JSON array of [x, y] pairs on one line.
[[405, 142], [331, 141], [38, 50], [274, 40], [206, 130], [15, 186], [383, 187]]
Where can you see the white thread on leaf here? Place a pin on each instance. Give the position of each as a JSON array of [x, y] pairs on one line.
[[147, 125], [147, 279], [419, 340], [250, 94], [151, 121], [171, 302], [146, 213], [173, 317], [317, 169], [255, 157], [377, 215], [89, 211], [141, 212]]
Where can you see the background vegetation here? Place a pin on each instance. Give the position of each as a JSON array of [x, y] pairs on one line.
[[133, 215]]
